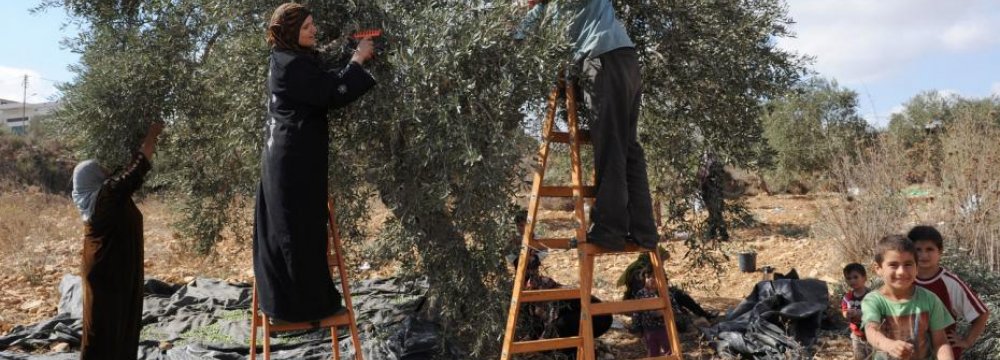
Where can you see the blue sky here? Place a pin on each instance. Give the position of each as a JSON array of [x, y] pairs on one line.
[[31, 46], [886, 50]]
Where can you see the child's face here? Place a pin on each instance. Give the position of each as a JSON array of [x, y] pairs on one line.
[[855, 280], [928, 254], [898, 269], [650, 281]]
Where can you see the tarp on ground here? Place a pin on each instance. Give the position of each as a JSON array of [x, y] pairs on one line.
[[210, 319], [780, 319]]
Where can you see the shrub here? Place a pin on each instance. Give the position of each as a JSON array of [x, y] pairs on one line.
[[971, 182], [35, 161], [987, 285], [873, 203]]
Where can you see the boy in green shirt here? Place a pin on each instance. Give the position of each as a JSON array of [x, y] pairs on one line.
[[901, 320]]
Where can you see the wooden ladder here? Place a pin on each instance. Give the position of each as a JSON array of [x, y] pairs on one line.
[[584, 342], [335, 259]]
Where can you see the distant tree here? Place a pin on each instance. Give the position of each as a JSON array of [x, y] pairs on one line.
[[813, 127], [438, 141], [924, 117], [923, 112]]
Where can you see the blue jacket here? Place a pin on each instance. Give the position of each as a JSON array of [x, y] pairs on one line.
[[592, 27]]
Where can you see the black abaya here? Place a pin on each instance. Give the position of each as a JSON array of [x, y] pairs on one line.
[[290, 231]]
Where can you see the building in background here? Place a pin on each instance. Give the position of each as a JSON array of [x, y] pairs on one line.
[[16, 116]]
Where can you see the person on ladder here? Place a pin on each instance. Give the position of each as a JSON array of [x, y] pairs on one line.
[[290, 218], [608, 65]]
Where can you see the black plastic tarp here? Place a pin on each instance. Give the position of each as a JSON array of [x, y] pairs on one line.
[[210, 319], [780, 319]]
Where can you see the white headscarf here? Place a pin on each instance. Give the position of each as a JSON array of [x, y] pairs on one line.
[[88, 177]]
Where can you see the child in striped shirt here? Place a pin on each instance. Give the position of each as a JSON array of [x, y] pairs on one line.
[[850, 306], [963, 303]]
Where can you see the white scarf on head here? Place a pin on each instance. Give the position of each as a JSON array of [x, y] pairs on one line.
[[88, 177]]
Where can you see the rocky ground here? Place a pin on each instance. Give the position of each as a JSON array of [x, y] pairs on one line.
[[40, 242]]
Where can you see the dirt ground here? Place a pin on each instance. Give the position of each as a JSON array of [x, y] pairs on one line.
[[40, 242]]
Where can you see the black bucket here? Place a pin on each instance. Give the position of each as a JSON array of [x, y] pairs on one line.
[[748, 261]]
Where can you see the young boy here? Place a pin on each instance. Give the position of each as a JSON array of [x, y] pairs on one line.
[[856, 277], [958, 298], [901, 320]]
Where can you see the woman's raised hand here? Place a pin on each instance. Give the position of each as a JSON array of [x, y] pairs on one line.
[[366, 48]]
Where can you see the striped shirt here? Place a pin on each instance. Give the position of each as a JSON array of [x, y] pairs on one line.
[[963, 303], [852, 302]]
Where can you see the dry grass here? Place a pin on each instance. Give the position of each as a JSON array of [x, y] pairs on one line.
[[33, 253], [971, 182], [28, 219], [873, 203]]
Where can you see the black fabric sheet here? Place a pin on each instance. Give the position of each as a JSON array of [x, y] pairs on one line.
[[210, 319]]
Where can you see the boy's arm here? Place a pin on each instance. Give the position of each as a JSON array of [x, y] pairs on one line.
[[896, 348], [844, 307], [969, 306], [975, 330], [942, 349]]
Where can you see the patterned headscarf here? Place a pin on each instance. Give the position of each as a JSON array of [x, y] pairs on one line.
[[283, 29], [88, 177]]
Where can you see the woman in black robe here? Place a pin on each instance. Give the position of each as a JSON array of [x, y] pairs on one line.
[[111, 269], [290, 230]]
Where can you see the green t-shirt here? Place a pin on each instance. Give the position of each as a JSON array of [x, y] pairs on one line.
[[911, 320]]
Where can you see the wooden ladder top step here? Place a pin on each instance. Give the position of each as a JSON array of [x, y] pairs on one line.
[[591, 249], [340, 319]]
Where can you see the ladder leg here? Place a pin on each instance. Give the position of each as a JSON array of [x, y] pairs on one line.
[[586, 260], [344, 284], [336, 345], [529, 228], [668, 310], [267, 336], [515, 305], [586, 321], [254, 322]]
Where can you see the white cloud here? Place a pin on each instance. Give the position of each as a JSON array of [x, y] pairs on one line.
[[12, 86], [857, 41], [995, 89]]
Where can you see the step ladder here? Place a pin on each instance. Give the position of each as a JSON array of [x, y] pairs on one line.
[[335, 259], [584, 342]]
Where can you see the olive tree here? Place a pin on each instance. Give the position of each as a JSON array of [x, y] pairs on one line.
[[438, 141]]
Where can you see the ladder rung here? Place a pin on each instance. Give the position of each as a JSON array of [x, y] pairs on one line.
[[549, 295], [627, 306], [545, 344], [564, 191], [554, 243], [592, 249], [564, 137]]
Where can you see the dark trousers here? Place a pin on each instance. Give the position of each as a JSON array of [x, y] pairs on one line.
[[623, 206], [656, 341]]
